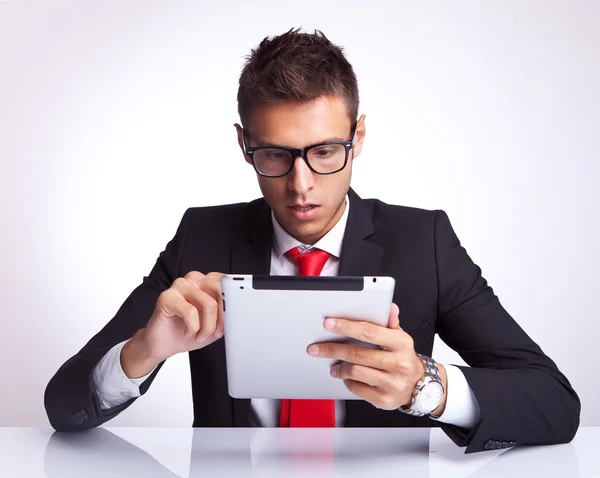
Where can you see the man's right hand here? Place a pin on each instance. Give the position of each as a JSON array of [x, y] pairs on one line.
[[187, 316]]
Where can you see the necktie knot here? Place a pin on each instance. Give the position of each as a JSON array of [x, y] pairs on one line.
[[310, 263]]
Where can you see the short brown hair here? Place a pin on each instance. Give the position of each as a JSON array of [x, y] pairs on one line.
[[296, 67]]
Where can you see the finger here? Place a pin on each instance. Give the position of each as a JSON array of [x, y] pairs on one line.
[[365, 331], [195, 277], [373, 395], [360, 373], [394, 320], [176, 306], [211, 284], [206, 305], [216, 276], [355, 354], [209, 313]]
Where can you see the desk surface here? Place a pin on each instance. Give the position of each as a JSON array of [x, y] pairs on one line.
[[272, 452]]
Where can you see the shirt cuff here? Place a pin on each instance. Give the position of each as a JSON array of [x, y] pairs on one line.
[[462, 408], [112, 386]]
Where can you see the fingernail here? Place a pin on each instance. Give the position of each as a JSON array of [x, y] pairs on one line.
[[313, 350], [329, 324], [332, 371]]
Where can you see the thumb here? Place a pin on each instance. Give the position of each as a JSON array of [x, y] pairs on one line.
[[394, 320]]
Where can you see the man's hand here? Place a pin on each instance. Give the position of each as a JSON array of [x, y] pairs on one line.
[[187, 316], [385, 377]]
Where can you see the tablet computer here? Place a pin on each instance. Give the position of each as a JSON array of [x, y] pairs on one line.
[[269, 321]]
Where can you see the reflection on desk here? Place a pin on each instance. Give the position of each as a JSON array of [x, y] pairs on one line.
[[98, 453], [271, 452]]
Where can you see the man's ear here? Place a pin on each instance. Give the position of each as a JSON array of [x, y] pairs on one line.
[[240, 135], [360, 133]]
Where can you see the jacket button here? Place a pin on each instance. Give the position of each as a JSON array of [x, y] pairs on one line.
[[79, 417], [76, 418]]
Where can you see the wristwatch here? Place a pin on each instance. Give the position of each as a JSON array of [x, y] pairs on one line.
[[428, 393]]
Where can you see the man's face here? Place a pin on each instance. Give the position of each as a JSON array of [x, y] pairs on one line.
[[296, 125]]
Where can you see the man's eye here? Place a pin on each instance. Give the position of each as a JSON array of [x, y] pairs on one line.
[[272, 154], [323, 152], [277, 155]]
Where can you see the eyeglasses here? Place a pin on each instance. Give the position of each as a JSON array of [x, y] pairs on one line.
[[322, 158]]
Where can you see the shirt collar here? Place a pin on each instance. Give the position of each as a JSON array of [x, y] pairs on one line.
[[331, 242]]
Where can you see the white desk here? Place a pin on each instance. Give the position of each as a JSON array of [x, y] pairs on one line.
[[264, 452]]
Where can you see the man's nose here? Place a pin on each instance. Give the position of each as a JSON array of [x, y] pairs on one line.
[[301, 177]]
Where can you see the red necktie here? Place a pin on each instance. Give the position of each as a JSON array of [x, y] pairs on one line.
[[300, 412]]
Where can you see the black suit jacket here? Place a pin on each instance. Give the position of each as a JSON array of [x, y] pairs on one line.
[[523, 396]]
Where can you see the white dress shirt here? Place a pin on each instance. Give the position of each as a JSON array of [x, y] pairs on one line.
[[114, 387]]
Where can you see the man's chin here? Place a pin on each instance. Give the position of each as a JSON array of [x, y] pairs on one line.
[[305, 233]]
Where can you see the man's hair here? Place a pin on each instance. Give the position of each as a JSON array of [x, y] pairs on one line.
[[294, 68]]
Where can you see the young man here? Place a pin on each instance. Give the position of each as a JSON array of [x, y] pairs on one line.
[[300, 130]]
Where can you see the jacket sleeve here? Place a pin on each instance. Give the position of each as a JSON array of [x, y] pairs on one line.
[[70, 399], [524, 398]]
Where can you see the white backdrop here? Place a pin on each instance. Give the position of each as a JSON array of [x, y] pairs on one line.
[[116, 116]]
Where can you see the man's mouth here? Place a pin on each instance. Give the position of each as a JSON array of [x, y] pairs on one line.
[[304, 208]]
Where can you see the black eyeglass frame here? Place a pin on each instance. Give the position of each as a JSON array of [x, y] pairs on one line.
[[301, 152]]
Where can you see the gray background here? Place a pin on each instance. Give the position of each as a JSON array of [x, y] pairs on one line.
[[117, 116]]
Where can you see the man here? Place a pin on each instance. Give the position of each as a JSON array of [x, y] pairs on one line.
[[300, 130]]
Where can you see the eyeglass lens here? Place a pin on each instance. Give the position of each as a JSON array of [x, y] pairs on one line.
[[327, 158]]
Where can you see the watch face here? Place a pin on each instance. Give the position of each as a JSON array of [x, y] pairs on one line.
[[430, 397]]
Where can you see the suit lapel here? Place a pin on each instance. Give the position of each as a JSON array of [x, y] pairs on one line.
[[359, 258], [252, 257]]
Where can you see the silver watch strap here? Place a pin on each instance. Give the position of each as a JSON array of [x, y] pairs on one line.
[[431, 369], [431, 373]]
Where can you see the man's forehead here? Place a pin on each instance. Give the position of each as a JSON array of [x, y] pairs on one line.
[[321, 120], [261, 140]]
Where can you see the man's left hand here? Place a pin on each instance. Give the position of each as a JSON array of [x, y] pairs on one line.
[[385, 377]]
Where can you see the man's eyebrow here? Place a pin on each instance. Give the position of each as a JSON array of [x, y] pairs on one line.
[[265, 142], [261, 142]]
